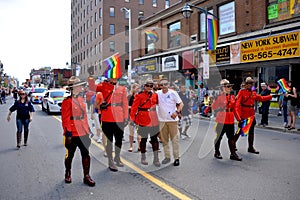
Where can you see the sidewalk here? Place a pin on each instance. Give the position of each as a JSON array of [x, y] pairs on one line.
[[275, 122]]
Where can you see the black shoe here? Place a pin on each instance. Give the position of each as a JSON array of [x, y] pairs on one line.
[[279, 114], [253, 151], [218, 156], [176, 162], [166, 160], [235, 157]]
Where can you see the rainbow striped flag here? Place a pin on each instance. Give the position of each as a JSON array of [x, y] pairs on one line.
[[152, 34], [284, 86], [246, 126], [212, 33], [113, 67]]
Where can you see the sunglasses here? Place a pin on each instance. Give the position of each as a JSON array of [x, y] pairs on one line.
[[228, 86], [22, 94], [149, 85], [163, 84]]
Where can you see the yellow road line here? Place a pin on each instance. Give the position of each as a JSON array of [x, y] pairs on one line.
[[151, 178]]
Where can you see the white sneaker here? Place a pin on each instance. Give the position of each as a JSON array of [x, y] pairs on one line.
[[99, 140], [284, 124]]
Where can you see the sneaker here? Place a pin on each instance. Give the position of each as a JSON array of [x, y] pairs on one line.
[[176, 162], [284, 124], [166, 160], [279, 114], [99, 140]]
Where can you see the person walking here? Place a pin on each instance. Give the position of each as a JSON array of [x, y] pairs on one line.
[[76, 130], [143, 113], [245, 108], [169, 107], [265, 105], [292, 105], [24, 116], [114, 117], [224, 105], [185, 113], [135, 88]]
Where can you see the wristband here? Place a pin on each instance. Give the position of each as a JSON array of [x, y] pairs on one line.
[[177, 112]]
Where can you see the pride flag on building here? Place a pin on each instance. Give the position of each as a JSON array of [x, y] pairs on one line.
[[113, 67], [152, 35], [212, 33], [284, 86]]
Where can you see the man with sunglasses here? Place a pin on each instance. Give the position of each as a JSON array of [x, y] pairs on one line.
[[245, 107], [114, 117], [169, 106], [143, 113], [224, 105]]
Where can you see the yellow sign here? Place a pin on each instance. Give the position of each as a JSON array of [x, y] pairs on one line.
[[270, 48]]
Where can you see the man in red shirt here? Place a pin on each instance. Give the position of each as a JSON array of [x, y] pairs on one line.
[[114, 116], [245, 107]]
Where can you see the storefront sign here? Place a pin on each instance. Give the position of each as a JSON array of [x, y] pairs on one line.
[[205, 66], [222, 54], [270, 48], [146, 66], [170, 63]]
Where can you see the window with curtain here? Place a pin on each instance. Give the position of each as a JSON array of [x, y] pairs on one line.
[[174, 34]]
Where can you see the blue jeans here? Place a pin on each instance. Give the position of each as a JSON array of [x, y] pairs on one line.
[[21, 123], [284, 108]]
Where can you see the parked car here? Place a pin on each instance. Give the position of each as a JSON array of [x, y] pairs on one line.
[[53, 99], [37, 95]]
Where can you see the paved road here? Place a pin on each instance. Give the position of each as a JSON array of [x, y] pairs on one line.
[[37, 171]]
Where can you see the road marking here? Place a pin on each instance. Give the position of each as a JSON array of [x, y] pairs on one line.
[[151, 178]]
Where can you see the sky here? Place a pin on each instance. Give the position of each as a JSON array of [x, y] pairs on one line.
[[34, 34]]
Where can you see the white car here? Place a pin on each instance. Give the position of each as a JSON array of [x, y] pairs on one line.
[[37, 95], [53, 99]]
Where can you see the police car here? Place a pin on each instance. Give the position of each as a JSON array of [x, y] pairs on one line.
[[53, 99]]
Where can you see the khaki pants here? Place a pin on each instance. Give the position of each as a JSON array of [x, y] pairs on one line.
[[169, 130]]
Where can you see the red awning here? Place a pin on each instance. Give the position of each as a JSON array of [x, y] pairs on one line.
[[188, 59]]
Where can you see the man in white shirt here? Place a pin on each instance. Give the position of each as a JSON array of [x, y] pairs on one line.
[[169, 106]]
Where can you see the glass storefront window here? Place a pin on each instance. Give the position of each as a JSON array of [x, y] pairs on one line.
[[279, 10]]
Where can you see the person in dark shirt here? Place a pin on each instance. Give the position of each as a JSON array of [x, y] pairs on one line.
[[25, 111], [265, 105], [186, 112]]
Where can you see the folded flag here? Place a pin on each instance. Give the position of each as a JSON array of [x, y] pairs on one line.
[[246, 124], [284, 86], [113, 67]]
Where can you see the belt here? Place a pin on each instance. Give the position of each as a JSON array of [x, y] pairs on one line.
[[115, 104], [146, 109], [76, 118], [249, 106]]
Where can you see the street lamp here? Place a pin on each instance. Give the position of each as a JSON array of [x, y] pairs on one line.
[[129, 40]]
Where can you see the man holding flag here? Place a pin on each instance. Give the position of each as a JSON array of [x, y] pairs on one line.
[[245, 107], [114, 110]]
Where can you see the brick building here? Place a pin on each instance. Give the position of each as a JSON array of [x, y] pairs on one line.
[[99, 29], [264, 34]]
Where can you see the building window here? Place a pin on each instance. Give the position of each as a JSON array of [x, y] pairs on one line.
[[127, 30], [141, 2], [100, 12], [154, 3], [96, 33], [112, 46], [111, 29], [100, 47], [202, 24], [126, 47], [91, 20], [127, 1], [167, 4], [111, 11], [227, 18], [96, 17], [174, 35], [100, 29], [282, 10], [91, 36]]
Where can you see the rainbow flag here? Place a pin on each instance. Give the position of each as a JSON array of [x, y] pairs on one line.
[[113, 67], [284, 86], [246, 126], [152, 34], [212, 33]]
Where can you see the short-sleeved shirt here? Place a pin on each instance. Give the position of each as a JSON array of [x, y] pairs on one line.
[[23, 109], [167, 105], [98, 98]]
